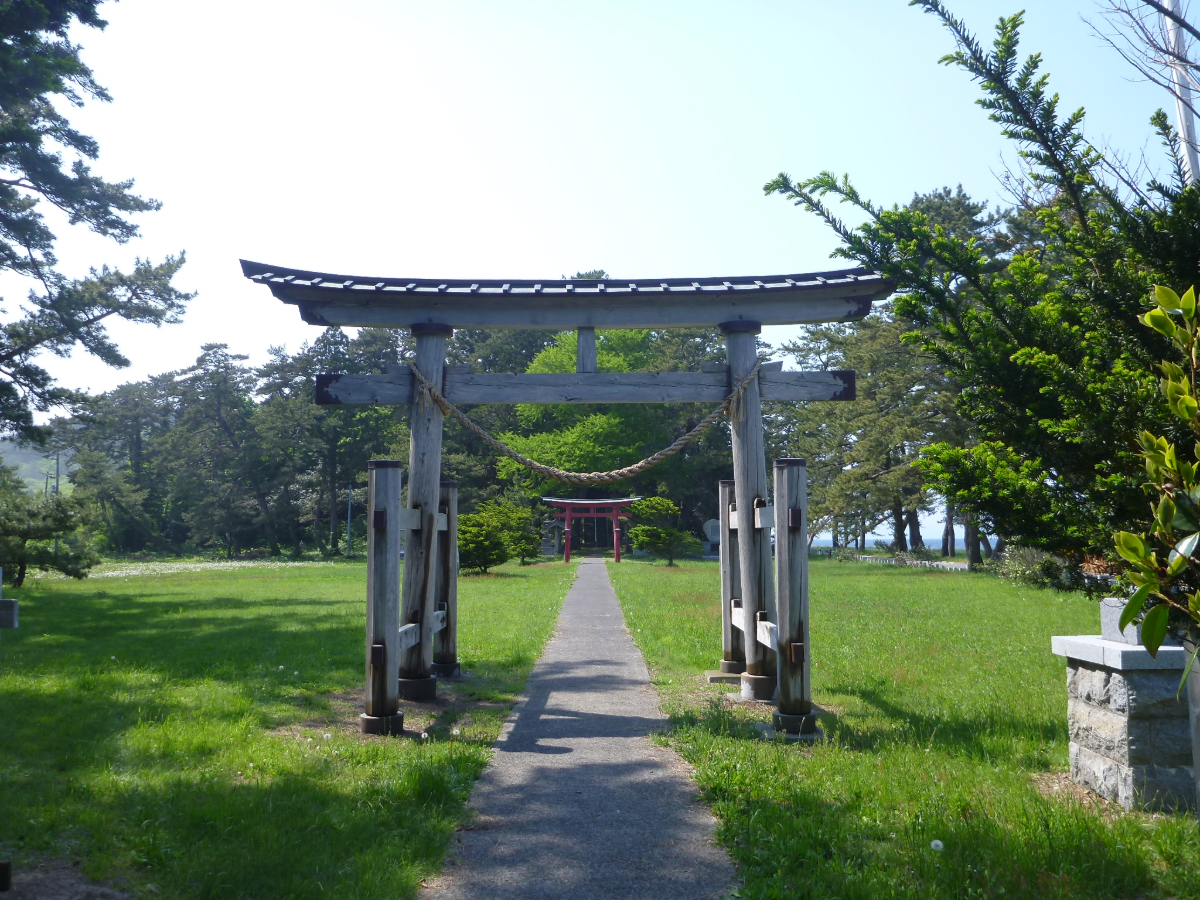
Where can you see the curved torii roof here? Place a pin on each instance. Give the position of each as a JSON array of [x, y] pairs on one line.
[[328, 299]]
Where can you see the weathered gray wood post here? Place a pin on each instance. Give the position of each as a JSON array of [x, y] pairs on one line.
[[384, 530], [795, 715], [418, 598], [733, 647], [445, 642], [585, 351], [750, 494]]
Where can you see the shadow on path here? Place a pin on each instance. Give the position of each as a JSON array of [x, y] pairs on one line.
[[577, 801]]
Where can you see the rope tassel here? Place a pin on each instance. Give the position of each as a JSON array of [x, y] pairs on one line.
[[731, 406]]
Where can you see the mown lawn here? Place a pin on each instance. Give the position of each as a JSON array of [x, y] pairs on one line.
[[950, 725], [194, 735]]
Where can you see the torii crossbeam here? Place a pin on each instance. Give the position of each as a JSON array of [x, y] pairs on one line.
[[433, 308]]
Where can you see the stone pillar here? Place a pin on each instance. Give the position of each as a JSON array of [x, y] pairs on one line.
[[1130, 736]]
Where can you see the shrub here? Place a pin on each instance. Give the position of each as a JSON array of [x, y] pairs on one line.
[[516, 526], [1037, 568], [480, 543], [656, 533]]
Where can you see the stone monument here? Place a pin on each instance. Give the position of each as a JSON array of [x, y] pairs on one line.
[[1130, 736]]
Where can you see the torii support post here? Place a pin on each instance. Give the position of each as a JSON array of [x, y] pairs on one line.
[[750, 494], [418, 598], [616, 520], [733, 648], [445, 642], [567, 538], [384, 528], [795, 715]]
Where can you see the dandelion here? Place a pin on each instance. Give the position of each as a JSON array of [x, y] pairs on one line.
[[281, 668], [327, 737], [113, 658], [310, 740], [424, 735], [295, 673], [456, 731], [937, 845]]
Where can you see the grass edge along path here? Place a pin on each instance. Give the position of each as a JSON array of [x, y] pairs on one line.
[[950, 709], [194, 735]]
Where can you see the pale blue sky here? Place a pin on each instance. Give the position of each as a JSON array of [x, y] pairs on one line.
[[521, 139], [530, 139]]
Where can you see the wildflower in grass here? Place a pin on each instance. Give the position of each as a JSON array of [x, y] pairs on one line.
[[295, 673], [281, 668], [456, 731], [114, 659], [937, 845], [424, 735], [327, 737]]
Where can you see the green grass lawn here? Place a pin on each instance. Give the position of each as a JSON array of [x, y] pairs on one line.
[[195, 734], [950, 725]]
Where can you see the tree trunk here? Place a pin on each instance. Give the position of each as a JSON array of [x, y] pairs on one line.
[[834, 531], [1000, 545], [318, 534], [915, 541], [971, 539], [987, 546], [333, 507], [20, 579], [899, 543]]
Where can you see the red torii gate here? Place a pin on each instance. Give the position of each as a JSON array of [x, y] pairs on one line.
[[591, 509]]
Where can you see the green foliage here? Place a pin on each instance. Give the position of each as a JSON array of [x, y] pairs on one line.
[[221, 457], [516, 525], [861, 455], [43, 76], [40, 534], [659, 510], [196, 717], [1036, 568], [481, 544], [1165, 570], [655, 532], [1035, 317], [591, 438], [948, 728]]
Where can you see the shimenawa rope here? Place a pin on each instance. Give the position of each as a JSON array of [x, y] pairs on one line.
[[730, 407]]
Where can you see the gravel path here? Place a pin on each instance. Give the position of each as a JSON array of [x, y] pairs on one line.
[[577, 802]]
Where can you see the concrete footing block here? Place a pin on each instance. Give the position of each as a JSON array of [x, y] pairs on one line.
[[732, 666], [795, 725], [758, 687], [393, 725], [446, 670], [715, 676], [418, 690]]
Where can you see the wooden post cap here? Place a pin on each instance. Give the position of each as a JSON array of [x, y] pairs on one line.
[[431, 328], [741, 325]]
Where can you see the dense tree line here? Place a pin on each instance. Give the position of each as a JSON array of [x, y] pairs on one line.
[[226, 457]]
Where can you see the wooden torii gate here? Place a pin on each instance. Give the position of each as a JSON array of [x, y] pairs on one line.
[[412, 641]]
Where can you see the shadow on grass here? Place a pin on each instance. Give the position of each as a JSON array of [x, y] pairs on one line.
[[124, 718], [295, 834], [974, 736], [807, 822]]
